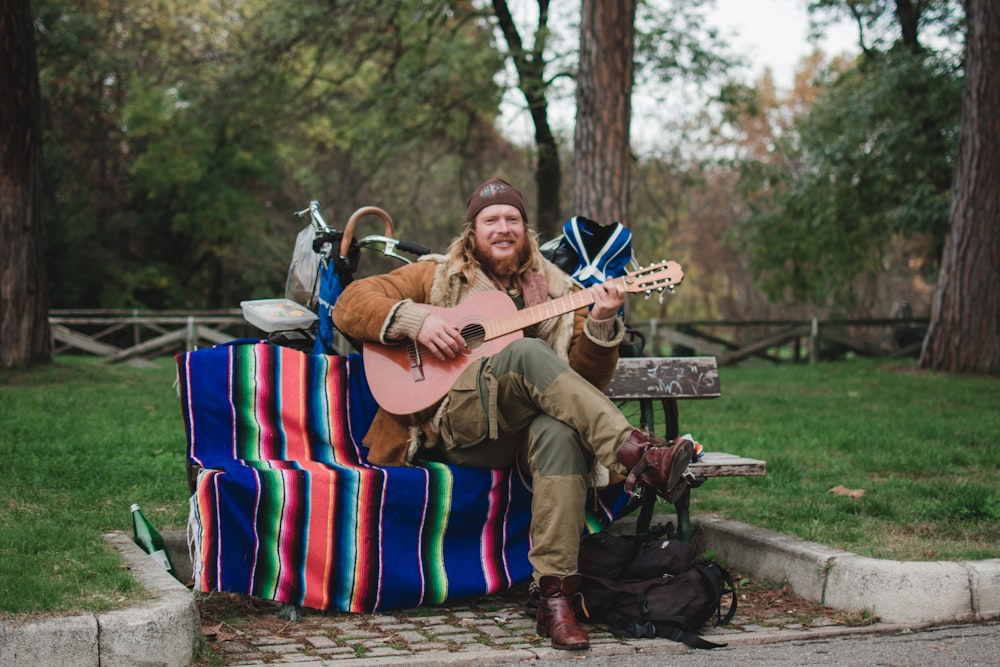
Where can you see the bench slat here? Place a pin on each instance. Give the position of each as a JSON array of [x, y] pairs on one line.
[[665, 377], [721, 464]]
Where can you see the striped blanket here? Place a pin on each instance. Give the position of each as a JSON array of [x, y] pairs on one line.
[[288, 509]]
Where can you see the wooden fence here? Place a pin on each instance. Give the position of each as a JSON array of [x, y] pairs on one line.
[[786, 340], [134, 336]]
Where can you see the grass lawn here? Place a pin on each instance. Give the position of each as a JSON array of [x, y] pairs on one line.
[[82, 440], [923, 449]]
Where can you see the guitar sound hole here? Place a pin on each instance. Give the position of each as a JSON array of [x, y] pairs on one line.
[[474, 335]]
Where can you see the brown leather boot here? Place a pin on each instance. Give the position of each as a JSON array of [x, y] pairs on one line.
[[656, 463], [556, 618]]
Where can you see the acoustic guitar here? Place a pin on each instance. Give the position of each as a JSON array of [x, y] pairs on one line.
[[405, 378]]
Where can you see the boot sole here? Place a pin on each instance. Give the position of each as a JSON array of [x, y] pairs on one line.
[[546, 632], [680, 458]]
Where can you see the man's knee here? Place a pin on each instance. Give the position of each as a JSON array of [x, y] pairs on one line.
[[530, 358], [556, 449], [525, 351]]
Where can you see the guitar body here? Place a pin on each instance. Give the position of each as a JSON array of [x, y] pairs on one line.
[[405, 380]]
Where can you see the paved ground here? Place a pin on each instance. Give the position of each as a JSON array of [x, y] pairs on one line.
[[487, 630]]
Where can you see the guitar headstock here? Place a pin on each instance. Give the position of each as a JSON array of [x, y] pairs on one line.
[[655, 277]]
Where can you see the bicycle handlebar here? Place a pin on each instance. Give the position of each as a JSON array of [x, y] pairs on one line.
[[413, 248], [386, 243], [315, 216], [388, 246]]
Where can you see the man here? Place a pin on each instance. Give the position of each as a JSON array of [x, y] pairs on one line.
[[537, 403]]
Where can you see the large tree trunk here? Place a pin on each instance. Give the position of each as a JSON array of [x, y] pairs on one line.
[[530, 66], [24, 326], [964, 333], [602, 162]]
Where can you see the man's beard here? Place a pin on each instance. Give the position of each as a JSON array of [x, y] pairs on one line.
[[507, 266]]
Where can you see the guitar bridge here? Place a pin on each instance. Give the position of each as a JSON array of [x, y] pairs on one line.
[[416, 365]]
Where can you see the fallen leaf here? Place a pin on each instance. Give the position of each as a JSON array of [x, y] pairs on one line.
[[215, 632], [211, 630], [841, 490]]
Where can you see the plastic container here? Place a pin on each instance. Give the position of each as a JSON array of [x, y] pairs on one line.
[[277, 314]]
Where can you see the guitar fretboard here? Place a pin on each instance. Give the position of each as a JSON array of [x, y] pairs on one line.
[[540, 312]]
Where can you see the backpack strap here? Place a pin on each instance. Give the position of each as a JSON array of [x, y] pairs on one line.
[[670, 628], [721, 583], [667, 630]]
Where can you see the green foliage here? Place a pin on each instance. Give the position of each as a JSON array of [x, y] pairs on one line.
[[881, 23], [181, 135], [674, 41], [869, 165]]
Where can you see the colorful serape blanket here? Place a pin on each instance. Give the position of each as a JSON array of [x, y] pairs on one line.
[[288, 509]]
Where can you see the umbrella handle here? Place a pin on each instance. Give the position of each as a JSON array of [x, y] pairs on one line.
[[345, 241]]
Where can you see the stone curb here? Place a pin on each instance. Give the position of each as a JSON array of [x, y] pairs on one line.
[[160, 632], [893, 591], [165, 630]]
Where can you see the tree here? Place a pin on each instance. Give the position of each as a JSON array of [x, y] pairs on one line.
[[182, 135], [964, 334], [882, 22], [603, 155], [665, 39], [530, 66], [24, 328], [866, 172]]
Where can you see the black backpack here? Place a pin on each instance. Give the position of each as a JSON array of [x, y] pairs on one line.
[[657, 588]]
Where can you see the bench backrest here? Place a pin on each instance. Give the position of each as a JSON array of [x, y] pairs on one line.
[[665, 377]]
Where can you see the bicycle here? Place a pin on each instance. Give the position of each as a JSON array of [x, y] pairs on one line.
[[324, 261], [329, 259]]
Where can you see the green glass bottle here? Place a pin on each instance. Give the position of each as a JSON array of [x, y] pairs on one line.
[[149, 539]]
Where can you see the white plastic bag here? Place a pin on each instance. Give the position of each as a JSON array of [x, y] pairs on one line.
[[302, 284]]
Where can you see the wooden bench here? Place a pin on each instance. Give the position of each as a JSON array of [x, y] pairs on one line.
[[655, 385]]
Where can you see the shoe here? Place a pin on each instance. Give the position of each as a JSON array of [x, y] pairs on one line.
[[560, 598], [654, 462]]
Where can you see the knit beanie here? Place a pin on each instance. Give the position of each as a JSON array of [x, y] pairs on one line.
[[495, 191]]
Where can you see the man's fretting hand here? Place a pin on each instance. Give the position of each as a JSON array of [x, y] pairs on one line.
[[608, 298]]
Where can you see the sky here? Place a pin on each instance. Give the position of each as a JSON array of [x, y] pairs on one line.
[[769, 33], [774, 33]]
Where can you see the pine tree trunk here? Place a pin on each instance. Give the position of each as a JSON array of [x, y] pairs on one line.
[[24, 326], [602, 159], [964, 334]]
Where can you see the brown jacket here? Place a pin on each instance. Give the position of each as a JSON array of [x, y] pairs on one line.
[[379, 308]]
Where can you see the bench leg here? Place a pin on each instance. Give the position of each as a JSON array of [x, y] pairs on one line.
[[645, 515], [683, 509]]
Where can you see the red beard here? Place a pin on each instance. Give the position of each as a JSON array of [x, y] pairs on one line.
[[507, 266]]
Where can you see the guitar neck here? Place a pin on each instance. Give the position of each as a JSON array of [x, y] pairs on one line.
[[540, 312]]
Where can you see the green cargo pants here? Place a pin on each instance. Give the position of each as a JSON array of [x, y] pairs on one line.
[[525, 406]]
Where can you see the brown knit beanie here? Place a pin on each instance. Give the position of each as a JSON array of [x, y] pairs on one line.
[[495, 191]]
